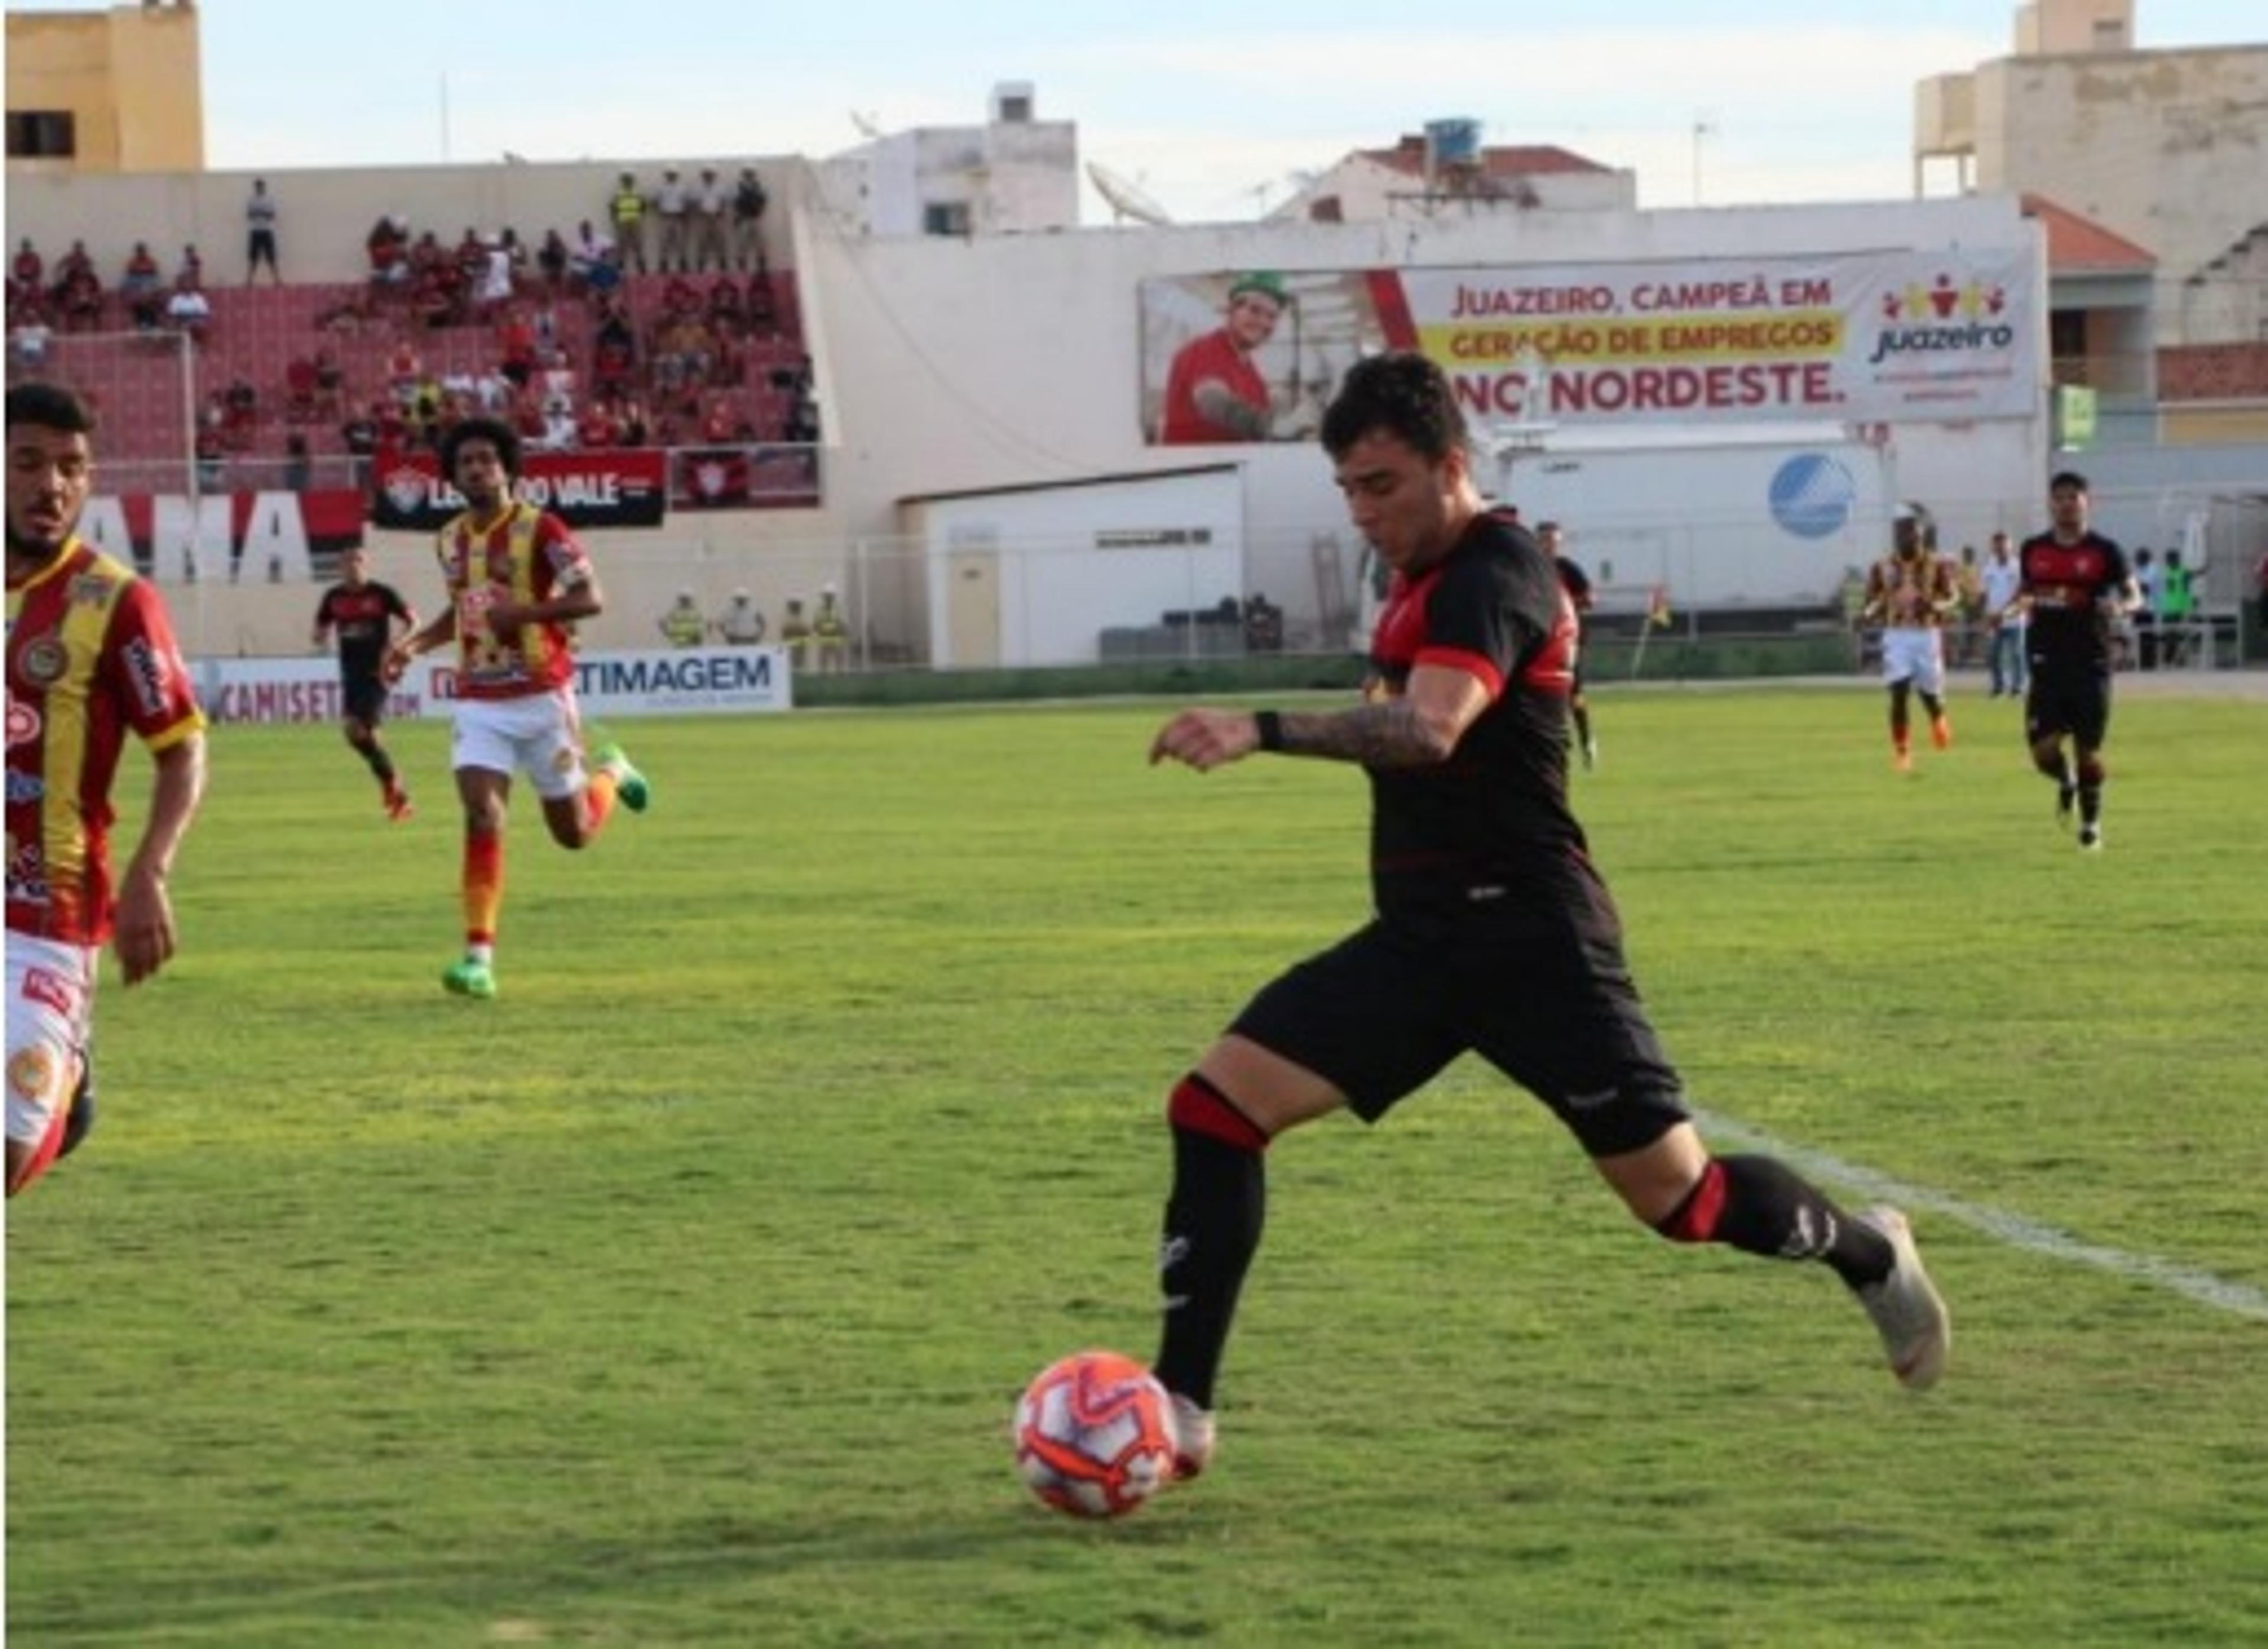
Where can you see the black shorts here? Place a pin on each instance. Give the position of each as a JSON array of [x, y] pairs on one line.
[[1382, 1011], [365, 701], [2076, 704]]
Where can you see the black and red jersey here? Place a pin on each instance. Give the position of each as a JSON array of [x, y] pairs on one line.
[[1491, 822], [2067, 584], [362, 617]]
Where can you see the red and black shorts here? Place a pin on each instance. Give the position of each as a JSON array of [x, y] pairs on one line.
[[1382, 1011]]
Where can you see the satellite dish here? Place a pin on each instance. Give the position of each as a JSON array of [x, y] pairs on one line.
[[868, 127], [1127, 198]]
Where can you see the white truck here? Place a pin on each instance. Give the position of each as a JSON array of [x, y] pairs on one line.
[[1777, 523]]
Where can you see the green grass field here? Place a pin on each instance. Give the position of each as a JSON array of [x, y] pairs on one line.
[[680, 1295]]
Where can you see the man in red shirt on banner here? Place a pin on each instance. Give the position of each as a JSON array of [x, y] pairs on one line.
[[517, 578], [1214, 392], [90, 657]]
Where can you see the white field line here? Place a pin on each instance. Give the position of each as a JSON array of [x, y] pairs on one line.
[[2204, 1287]]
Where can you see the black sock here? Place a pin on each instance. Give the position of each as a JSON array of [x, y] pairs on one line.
[[2091, 776], [1582, 726], [1213, 1221], [374, 755], [1760, 1206]]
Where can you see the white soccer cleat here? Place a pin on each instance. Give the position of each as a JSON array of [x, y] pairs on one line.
[[1194, 1436], [1916, 1328]]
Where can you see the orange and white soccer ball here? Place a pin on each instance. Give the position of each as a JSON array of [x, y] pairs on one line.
[[1094, 1435]]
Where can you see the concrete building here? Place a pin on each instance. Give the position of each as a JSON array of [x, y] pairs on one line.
[[114, 90], [1448, 170], [1015, 174], [2165, 148]]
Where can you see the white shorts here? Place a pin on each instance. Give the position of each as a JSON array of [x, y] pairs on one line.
[[1915, 656], [539, 735], [50, 1005]]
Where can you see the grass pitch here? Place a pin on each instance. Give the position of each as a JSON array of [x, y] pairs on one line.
[[680, 1295]]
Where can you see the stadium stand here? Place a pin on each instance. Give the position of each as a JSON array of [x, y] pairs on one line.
[[313, 354]]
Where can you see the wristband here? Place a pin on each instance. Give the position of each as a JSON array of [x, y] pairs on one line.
[[1271, 729]]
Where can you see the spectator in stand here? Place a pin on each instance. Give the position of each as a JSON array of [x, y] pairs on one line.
[[727, 314], [27, 340], [591, 263], [671, 203], [516, 346], [763, 307], [551, 258], [626, 211], [299, 390], [496, 287], [359, 436], [143, 286], [189, 311], [78, 290], [298, 464], [711, 203], [680, 298], [260, 234], [717, 424], [596, 430], [388, 246], [192, 268], [635, 431], [748, 202], [240, 404], [213, 468], [330, 385], [26, 272], [559, 423]]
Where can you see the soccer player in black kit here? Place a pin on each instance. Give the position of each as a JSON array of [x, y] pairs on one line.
[[1492, 930], [364, 612], [2078, 585]]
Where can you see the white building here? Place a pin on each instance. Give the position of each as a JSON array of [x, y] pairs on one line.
[[1449, 171], [1015, 174]]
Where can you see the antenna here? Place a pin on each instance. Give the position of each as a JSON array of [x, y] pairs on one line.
[[1127, 198], [869, 128]]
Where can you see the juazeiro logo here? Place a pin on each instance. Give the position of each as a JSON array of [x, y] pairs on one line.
[[1942, 317], [1811, 496]]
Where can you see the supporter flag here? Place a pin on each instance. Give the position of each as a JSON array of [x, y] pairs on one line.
[[1657, 606], [714, 478]]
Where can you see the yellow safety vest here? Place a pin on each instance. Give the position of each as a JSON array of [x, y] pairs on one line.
[[628, 206]]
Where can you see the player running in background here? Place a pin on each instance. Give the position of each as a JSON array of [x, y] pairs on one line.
[[1492, 931], [1911, 593], [364, 612], [516, 579], [1579, 592], [2078, 585], [91, 655]]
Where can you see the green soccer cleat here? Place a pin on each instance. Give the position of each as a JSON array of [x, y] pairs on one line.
[[629, 783], [469, 978]]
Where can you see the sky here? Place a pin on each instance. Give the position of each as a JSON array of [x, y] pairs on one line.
[[1214, 110]]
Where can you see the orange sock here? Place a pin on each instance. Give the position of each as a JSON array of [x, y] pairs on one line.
[[598, 799], [483, 886]]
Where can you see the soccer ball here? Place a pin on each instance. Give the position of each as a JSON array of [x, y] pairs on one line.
[[1094, 1435]]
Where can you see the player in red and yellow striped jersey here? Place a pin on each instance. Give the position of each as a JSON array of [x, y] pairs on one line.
[[517, 579], [91, 657]]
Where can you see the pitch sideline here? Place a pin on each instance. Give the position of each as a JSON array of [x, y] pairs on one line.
[[2203, 1287]]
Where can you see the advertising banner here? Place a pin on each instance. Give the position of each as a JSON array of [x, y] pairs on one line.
[[1878, 337], [280, 536], [624, 488], [682, 681]]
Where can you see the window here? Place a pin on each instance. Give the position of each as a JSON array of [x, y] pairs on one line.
[[1014, 110], [41, 135], [945, 217]]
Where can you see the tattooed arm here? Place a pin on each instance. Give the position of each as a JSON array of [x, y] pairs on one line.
[[1417, 729]]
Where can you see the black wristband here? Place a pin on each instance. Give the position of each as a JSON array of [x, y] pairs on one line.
[[1271, 729]]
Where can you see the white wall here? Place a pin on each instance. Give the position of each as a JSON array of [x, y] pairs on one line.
[[1060, 586]]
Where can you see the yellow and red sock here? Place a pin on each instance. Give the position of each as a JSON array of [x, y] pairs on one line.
[[483, 886]]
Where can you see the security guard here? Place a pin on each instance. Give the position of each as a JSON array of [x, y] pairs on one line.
[[627, 208], [682, 626]]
